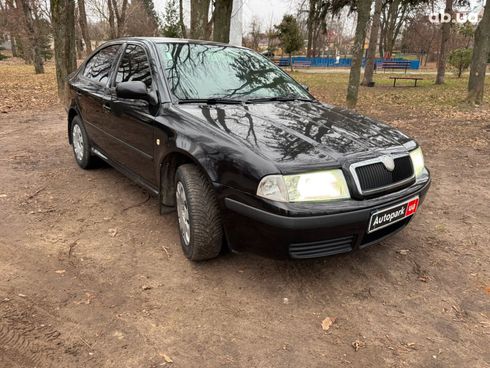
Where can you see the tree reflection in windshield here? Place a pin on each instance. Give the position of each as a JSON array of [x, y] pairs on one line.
[[204, 71]]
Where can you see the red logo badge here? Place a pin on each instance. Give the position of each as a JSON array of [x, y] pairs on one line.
[[412, 207]]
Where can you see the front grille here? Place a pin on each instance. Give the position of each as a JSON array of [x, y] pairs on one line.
[[374, 176], [321, 248]]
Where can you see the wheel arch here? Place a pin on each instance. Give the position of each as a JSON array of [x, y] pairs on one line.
[[72, 112], [168, 168]]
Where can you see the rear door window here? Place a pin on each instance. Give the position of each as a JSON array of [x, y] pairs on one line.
[[98, 68]]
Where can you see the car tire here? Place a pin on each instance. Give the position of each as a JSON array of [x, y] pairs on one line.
[[198, 215], [81, 145]]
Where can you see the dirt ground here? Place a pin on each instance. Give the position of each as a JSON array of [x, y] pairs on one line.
[[92, 276]]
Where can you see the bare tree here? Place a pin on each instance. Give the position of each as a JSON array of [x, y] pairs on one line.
[[82, 14], [363, 12], [25, 6], [142, 20], [10, 24], [443, 49], [316, 24], [420, 35], [394, 15], [63, 22], [479, 60], [373, 42], [255, 34]]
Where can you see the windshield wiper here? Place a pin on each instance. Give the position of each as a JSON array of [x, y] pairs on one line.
[[279, 98], [212, 101]]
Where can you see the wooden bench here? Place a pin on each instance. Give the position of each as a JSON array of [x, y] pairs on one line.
[[281, 62], [398, 65], [301, 64], [409, 78]]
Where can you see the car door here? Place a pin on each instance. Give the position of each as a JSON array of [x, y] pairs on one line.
[[94, 96], [132, 123]]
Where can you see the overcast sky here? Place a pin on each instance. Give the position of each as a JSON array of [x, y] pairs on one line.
[[266, 11]]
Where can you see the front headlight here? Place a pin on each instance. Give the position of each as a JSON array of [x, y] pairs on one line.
[[417, 161], [316, 186]]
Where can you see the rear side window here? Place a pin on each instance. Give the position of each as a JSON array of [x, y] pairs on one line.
[[99, 66], [134, 66]]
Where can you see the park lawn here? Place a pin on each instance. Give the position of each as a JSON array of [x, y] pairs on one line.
[[427, 99], [21, 89]]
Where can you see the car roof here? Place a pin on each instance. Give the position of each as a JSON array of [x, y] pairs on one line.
[[174, 40]]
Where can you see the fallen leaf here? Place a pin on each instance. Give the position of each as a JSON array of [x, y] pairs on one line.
[[403, 252], [60, 271], [22, 295], [166, 358], [113, 232], [423, 278], [358, 344], [118, 334], [146, 287], [327, 323]]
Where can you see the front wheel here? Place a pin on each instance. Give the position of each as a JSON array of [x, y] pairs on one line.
[[200, 228]]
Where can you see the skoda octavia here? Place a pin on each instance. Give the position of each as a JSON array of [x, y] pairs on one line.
[[247, 157]]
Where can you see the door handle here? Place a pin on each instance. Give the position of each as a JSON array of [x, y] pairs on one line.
[[107, 108]]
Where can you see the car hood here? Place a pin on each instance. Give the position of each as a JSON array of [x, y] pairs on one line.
[[298, 135]]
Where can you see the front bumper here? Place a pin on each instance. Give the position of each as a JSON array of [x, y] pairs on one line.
[[274, 235]]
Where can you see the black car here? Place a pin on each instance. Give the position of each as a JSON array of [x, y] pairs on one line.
[[246, 155]]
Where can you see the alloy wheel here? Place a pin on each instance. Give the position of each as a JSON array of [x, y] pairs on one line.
[[183, 213], [78, 142]]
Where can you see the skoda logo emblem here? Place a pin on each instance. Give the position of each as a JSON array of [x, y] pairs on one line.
[[388, 162]]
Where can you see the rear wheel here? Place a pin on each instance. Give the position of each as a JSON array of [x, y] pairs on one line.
[[200, 228], [80, 143]]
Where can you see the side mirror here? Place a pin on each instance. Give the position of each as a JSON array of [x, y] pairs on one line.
[[135, 90], [306, 87]]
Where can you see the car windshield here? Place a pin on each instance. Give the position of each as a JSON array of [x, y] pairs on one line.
[[206, 72]]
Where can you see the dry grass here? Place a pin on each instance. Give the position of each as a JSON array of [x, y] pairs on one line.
[[427, 100], [21, 89]]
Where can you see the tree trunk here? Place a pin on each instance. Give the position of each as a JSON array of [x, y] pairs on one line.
[[373, 42], [181, 19], [112, 23], [363, 10], [78, 36], [481, 51], [13, 43], [199, 18], [291, 62], [394, 20], [222, 19], [83, 26], [311, 17], [63, 24], [445, 36], [32, 36], [120, 17]]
